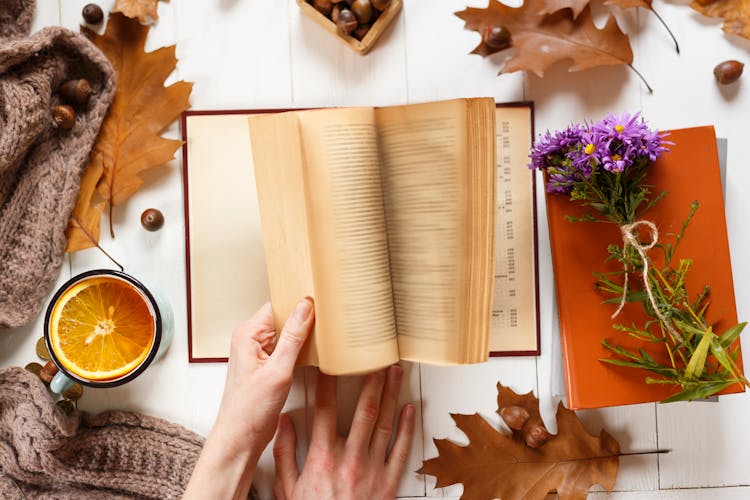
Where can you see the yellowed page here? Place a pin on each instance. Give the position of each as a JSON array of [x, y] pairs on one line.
[[278, 165], [227, 263], [514, 313], [348, 242], [425, 162]]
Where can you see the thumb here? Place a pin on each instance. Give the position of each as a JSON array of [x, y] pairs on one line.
[[296, 330], [285, 456]]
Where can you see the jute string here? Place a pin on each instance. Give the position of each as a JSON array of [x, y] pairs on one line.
[[630, 239]]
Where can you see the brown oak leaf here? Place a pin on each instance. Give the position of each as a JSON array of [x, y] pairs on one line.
[[497, 465], [544, 40], [130, 140], [736, 14], [143, 10], [551, 6], [83, 225]]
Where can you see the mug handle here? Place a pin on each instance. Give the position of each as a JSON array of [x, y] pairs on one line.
[[60, 383]]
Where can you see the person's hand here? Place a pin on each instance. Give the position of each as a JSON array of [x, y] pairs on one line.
[[259, 377], [358, 466]]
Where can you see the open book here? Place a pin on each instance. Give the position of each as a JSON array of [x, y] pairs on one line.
[[386, 216]]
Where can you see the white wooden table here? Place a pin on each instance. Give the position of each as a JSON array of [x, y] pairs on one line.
[[264, 54]]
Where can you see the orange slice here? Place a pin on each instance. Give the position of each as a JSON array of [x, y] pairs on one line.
[[101, 328]]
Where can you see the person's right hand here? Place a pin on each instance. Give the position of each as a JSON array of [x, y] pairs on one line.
[[358, 466]]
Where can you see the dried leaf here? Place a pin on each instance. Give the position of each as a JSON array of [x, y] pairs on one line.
[[544, 40], [143, 10], [497, 465], [83, 227], [130, 141], [736, 14], [576, 6]]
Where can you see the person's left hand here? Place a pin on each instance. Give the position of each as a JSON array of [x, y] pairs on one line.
[[259, 378]]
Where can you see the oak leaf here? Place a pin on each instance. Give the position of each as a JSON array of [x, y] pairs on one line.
[[498, 465], [83, 225], [736, 14], [143, 10], [543, 40], [130, 139], [551, 6]]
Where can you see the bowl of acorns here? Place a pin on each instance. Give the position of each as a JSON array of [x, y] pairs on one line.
[[358, 23]]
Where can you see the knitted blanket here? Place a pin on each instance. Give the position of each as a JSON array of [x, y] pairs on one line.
[[46, 454], [40, 164]]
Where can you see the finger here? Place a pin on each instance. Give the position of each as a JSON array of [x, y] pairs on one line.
[[324, 414], [366, 413], [384, 426], [285, 456], [399, 454], [258, 327], [293, 336]]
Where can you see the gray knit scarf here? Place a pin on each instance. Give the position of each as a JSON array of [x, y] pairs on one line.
[[40, 165]]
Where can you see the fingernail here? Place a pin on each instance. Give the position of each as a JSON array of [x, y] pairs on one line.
[[409, 411], [395, 372], [303, 310]]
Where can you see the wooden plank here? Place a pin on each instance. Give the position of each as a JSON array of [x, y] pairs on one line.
[[237, 53], [327, 73], [439, 65]]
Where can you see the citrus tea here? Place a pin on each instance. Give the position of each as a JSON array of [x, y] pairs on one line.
[[103, 328]]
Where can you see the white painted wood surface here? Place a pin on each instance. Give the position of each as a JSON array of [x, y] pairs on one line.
[[252, 54]]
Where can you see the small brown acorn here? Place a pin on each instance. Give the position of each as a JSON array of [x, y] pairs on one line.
[[728, 72], [64, 116], [346, 22], [514, 416], [76, 92], [92, 13], [497, 37], [536, 436], [323, 6], [152, 219]]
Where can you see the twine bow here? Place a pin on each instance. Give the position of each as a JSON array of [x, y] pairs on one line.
[[630, 239]]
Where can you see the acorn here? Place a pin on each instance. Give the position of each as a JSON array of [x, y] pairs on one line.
[[76, 91], [514, 416], [323, 6], [92, 13], [64, 116], [497, 37], [728, 72], [361, 31], [380, 5], [536, 436], [48, 372], [362, 10], [152, 219], [346, 22]]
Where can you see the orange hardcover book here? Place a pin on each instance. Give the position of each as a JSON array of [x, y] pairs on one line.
[[689, 172]]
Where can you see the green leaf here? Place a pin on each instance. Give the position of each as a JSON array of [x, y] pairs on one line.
[[697, 363], [698, 392], [721, 355], [728, 337], [651, 380]]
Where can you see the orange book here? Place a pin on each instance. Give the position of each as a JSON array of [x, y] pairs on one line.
[[689, 172]]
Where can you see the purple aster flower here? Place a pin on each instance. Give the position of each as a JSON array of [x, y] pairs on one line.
[[589, 154], [549, 145], [625, 128]]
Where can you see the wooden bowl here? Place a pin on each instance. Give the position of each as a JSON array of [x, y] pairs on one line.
[[363, 46]]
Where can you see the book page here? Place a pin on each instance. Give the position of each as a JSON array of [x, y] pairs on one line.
[[349, 248], [421, 147], [514, 308], [226, 261]]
